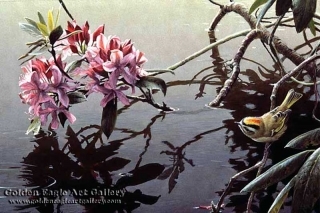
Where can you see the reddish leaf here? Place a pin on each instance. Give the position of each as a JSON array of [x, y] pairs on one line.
[[109, 117]]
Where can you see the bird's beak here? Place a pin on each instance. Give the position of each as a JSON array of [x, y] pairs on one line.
[[237, 123]]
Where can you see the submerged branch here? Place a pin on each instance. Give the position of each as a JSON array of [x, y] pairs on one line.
[[265, 37], [254, 34]]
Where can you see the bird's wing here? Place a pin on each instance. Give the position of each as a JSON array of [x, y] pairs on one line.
[[280, 119]]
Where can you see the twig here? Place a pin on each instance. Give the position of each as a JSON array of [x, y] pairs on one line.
[[66, 9], [220, 41], [304, 83], [220, 5], [207, 48], [232, 179], [163, 107], [159, 71], [288, 75], [261, 165], [53, 53]]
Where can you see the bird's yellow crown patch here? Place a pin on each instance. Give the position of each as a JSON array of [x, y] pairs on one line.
[[252, 121]]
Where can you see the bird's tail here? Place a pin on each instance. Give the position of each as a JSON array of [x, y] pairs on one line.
[[290, 99]]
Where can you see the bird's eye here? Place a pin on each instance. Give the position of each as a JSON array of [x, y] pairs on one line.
[[249, 130]]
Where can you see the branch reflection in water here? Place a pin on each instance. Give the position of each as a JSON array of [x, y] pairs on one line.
[[85, 171]]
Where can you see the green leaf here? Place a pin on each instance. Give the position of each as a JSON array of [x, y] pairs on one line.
[[50, 21], [311, 138], [109, 117], [264, 10], [256, 4], [41, 19], [161, 71], [303, 11], [277, 172], [43, 29], [278, 202], [307, 187], [282, 6], [76, 97], [73, 65], [30, 29], [71, 34], [151, 83], [32, 22], [312, 27], [57, 18], [36, 52], [55, 34], [34, 126]]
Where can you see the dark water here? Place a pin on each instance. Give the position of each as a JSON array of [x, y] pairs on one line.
[[165, 162]]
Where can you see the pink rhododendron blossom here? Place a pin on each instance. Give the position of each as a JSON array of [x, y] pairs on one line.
[[49, 108], [34, 91], [121, 65], [108, 44], [112, 59], [60, 86], [110, 92], [41, 82]]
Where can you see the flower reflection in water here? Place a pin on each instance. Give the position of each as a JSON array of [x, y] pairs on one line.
[[84, 172]]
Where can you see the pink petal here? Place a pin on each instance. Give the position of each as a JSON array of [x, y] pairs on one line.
[[98, 31], [28, 86], [56, 76], [71, 117], [54, 122], [35, 78], [129, 59], [129, 76], [116, 56], [127, 47], [43, 119], [102, 42], [140, 58], [122, 97], [109, 66], [141, 72], [44, 97], [103, 89], [114, 43], [85, 33], [106, 99], [113, 79], [63, 98]]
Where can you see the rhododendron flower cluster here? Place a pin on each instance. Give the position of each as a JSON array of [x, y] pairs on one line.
[[116, 60], [107, 65], [45, 89]]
